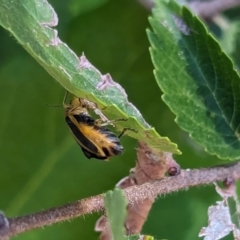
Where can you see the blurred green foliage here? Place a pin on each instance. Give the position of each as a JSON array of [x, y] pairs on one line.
[[41, 165]]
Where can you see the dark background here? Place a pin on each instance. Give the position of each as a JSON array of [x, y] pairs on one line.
[[42, 166]]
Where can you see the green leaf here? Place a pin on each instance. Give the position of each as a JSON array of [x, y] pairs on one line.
[[116, 209], [30, 23], [198, 80]]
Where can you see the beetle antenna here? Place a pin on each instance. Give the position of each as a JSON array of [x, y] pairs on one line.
[[54, 106], [65, 97]]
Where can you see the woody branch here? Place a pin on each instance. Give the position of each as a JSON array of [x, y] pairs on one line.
[[187, 178]]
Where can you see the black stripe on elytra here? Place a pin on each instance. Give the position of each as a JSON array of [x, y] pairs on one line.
[[92, 155], [105, 150], [117, 149], [113, 150], [84, 118], [81, 138], [108, 134]]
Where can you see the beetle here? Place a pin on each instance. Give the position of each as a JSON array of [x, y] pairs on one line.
[[95, 140]]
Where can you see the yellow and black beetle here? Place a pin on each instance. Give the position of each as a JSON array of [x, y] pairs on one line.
[[95, 140]]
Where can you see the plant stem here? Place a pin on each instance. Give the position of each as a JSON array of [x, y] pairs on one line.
[[187, 178]]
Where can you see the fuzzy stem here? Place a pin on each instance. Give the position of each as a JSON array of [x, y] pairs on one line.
[[186, 179]]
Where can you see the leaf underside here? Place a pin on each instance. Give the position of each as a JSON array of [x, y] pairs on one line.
[[31, 22]]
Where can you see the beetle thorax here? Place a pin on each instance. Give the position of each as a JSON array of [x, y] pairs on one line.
[[76, 110]]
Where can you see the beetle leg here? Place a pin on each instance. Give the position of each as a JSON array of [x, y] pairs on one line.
[[94, 107], [65, 97], [127, 129], [99, 122]]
